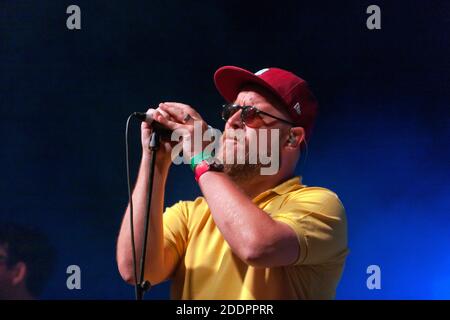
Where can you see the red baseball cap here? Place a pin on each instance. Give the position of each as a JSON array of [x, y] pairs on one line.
[[292, 90]]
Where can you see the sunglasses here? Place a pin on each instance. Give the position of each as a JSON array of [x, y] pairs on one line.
[[250, 116]]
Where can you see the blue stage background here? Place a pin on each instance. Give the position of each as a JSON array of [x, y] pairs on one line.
[[381, 142]]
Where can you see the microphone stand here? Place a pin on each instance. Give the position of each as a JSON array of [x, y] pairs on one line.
[[144, 286]]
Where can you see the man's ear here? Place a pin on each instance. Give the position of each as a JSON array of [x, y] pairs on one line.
[[296, 136], [19, 273]]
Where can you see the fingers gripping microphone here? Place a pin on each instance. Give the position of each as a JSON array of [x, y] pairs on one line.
[[148, 117]]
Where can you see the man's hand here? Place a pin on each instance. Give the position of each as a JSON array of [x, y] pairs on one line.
[[187, 122], [163, 159]]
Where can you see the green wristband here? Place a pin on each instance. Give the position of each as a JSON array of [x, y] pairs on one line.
[[195, 160]]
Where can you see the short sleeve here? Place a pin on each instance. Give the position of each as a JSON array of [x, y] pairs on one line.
[[175, 223], [318, 218]]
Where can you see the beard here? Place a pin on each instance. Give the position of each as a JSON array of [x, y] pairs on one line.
[[240, 173]]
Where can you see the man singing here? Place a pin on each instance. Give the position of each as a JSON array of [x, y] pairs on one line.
[[251, 235]]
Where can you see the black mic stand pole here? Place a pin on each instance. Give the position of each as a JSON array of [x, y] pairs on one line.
[[144, 286]]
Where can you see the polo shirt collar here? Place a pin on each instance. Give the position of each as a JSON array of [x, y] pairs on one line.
[[289, 185]]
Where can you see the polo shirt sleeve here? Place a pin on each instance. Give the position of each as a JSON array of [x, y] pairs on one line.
[[175, 224], [318, 218]]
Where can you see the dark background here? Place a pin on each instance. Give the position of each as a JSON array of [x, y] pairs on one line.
[[381, 142]]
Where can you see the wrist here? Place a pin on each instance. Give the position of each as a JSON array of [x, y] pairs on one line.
[[198, 158], [209, 175], [161, 166], [208, 165]]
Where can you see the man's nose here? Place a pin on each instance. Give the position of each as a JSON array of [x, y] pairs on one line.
[[235, 121]]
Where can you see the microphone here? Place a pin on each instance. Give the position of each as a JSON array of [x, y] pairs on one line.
[[158, 127]]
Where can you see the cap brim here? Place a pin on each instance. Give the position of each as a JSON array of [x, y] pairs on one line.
[[229, 81]]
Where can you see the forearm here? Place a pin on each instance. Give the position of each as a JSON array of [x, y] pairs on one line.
[[246, 228], [155, 246]]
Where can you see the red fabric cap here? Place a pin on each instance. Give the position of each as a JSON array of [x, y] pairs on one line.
[[293, 91]]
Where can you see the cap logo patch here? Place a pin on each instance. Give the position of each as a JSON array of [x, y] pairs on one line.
[[260, 72], [297, 108]]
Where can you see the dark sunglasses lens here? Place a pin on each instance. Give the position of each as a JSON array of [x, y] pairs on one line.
[[228, 110], [251, 117]]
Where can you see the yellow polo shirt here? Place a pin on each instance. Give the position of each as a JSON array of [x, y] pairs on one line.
[[208, 269]]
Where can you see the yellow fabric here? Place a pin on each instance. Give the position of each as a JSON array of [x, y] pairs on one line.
[[208, 269]]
